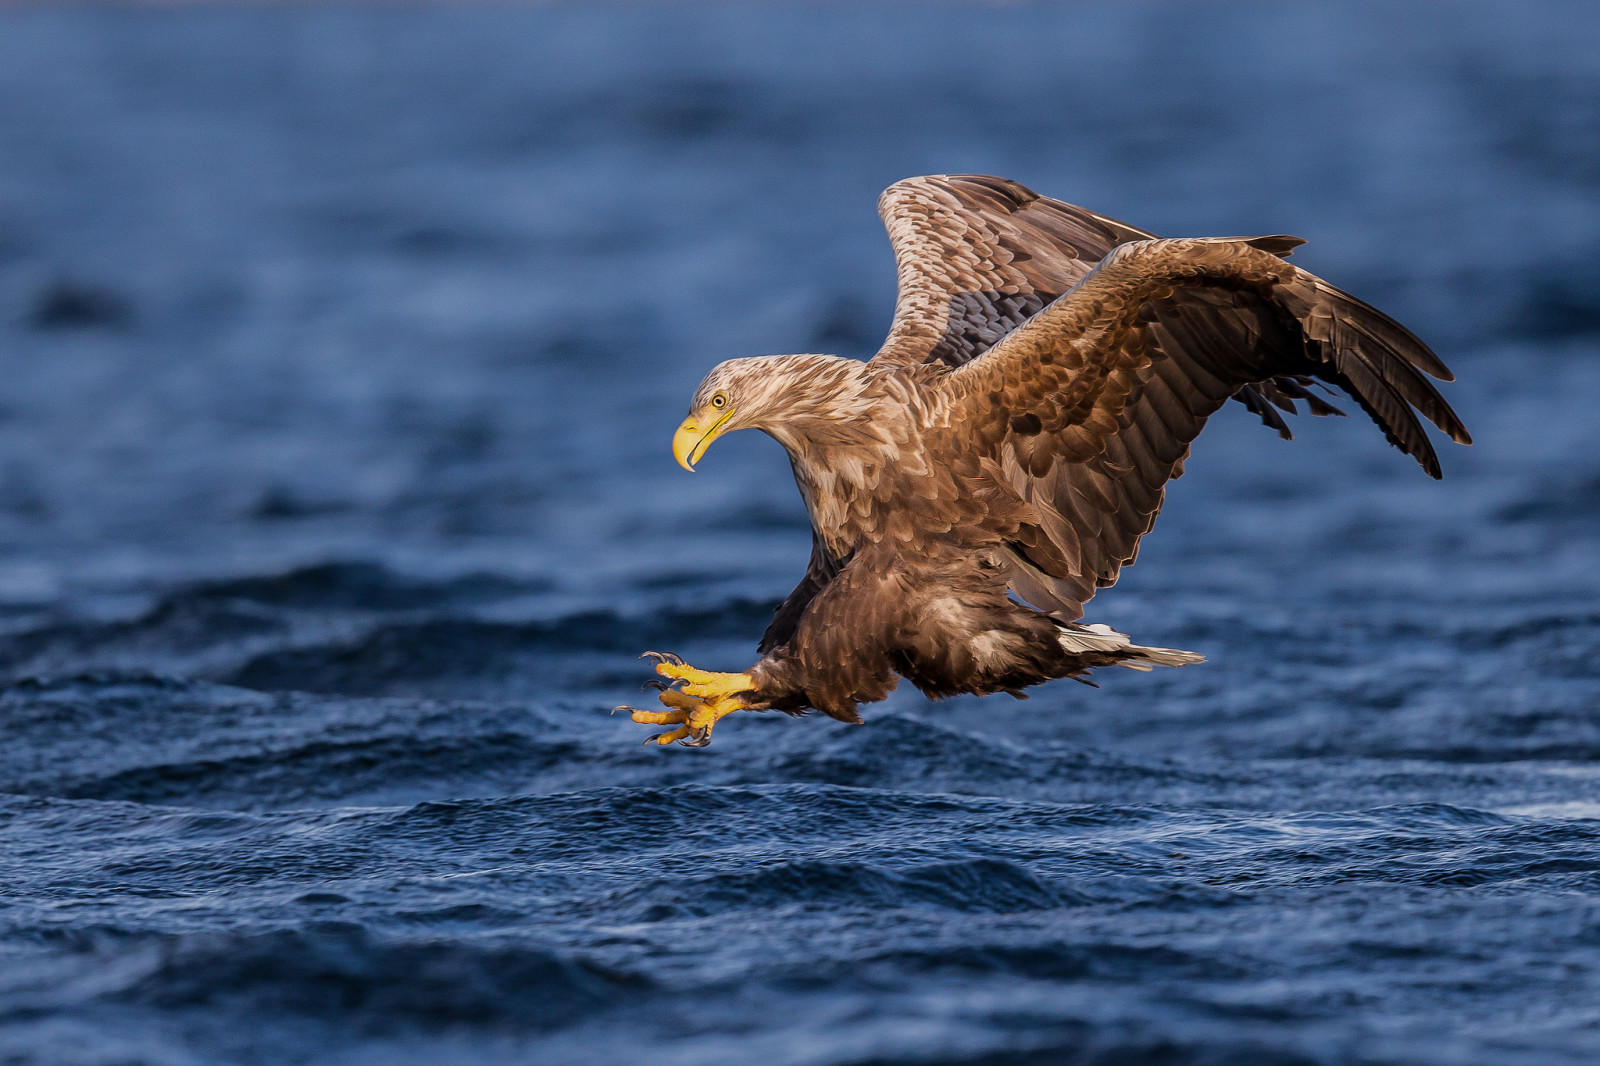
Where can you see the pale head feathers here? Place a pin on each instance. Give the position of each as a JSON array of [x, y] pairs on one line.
[[795, 398]]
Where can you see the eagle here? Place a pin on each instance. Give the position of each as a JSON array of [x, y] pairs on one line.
[[998, 460]]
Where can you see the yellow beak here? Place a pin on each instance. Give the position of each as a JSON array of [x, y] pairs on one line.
[[691, 442]]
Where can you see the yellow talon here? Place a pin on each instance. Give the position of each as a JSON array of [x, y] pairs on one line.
[[704, 699]]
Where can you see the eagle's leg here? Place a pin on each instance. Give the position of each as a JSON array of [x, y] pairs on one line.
[[704, 698]]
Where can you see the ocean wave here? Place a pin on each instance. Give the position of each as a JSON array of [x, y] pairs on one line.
[[339, 970], [359, 585], [320, 772], [470, 650], [967, 885]]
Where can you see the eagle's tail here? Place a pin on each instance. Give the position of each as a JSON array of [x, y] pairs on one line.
[[1102, 638]]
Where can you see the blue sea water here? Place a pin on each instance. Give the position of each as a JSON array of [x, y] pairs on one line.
[[340, 348]]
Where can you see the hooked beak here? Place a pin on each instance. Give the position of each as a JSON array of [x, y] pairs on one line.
[[691, 441]]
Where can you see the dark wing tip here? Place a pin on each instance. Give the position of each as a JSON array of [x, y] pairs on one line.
[[1382, 365], [1424, 358]]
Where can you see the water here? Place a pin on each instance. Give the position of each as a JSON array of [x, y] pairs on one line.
[[341, 348]]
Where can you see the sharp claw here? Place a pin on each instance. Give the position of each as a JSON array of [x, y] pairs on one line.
[[657, 684], [698, 739], [651, 739], [624, 707], [663, 657]]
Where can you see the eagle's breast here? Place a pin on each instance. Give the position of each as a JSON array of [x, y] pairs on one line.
[[870, 479], [845, 499]]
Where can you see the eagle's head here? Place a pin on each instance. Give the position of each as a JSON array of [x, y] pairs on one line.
[[779, 394]]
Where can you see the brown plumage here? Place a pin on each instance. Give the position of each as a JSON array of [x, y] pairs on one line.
[[998, 461]]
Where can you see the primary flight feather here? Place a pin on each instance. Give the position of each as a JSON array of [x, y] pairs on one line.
[[999, 459]]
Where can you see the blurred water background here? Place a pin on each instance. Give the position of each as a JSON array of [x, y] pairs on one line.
[[340, 348]]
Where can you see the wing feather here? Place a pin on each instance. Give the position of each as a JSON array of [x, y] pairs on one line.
[[978, 256], [1122, 371]]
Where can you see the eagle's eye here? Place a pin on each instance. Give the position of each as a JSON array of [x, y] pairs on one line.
[[720, 400]]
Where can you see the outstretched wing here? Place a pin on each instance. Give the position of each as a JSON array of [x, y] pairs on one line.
[[978, 256], [1088, 408]]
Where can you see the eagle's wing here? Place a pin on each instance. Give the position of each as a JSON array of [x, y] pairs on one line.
[[978, 256], [1088, 409]]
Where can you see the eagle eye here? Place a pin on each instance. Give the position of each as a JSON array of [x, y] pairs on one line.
[[720, 400]]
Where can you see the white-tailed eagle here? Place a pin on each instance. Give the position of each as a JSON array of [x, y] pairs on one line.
[[997, 461]]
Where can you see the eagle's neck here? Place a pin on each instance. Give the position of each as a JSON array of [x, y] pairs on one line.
[[842, 425], [819, 403]]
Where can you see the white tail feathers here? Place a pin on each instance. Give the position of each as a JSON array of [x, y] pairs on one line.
[[1103, 638]]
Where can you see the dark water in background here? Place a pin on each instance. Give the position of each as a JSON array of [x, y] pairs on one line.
[[339, 353]]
